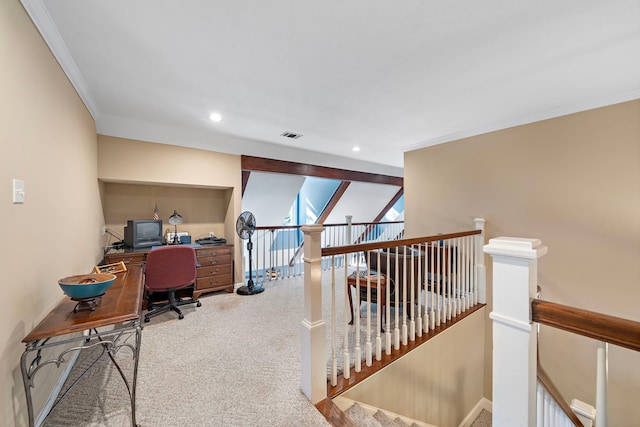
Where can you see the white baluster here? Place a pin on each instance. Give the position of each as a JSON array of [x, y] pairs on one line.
[[387, 328], [368, 345], [396, 331], [458, 274], [405, 328], [432, 315], [379, 312], [438, 283], [334, 364], [412, 278], [602, 375], [346, 362], [463, 278], [540, 405], [418, 300]]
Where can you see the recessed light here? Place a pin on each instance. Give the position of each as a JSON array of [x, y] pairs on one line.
[[215, 117], [356, 149]]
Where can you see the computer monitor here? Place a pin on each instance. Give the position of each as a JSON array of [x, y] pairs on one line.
[[143, 233]]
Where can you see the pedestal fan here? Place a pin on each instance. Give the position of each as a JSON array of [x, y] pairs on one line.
[[245, 226]]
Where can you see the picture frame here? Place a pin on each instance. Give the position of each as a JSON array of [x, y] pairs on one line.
[[114, 268]]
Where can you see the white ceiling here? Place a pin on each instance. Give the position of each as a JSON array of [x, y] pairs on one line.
[[388, 76]]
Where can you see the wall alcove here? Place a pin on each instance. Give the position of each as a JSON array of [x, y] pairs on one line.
[[204, 209]]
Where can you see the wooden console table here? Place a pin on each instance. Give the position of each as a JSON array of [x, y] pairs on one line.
[[110, 324]]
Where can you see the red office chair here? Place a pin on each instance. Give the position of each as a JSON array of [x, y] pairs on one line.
[[167, 270]]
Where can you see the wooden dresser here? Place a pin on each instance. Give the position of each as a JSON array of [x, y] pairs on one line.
[[215, 271], [215, 266]]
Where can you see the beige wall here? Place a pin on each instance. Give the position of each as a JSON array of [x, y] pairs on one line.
[[574, 183], [203, 210], [48, 139], [205, 187], [439, 382]]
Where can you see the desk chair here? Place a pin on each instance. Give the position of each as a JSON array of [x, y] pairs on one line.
[[167, 270]]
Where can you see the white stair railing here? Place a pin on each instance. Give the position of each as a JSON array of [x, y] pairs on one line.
[[549, 413], [419, 283], [516, 313], [278, 250]]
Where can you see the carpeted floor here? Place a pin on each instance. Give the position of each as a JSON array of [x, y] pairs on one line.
[[235, 361]]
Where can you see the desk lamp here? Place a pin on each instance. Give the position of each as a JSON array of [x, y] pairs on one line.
[[174, 220]]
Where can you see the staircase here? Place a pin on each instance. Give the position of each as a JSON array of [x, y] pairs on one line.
[[377, 418], [363, 415]]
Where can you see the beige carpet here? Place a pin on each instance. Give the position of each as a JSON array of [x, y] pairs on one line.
[[235, 361]]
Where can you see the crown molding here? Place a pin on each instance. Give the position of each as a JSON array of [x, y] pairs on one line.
[[528, 119], [41, 18]]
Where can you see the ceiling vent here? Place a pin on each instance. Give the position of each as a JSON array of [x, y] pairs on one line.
[[291, 135]]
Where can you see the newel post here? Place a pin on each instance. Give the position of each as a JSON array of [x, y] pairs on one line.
[[515, 277], [314, 353]]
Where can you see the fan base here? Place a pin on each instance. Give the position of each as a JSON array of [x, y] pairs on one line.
[[250, 290]]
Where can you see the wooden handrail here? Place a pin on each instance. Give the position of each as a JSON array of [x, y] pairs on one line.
[[546, 382], [602, 327], [339, 250]]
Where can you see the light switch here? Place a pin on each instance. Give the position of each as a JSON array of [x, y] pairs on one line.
[[18, 191]]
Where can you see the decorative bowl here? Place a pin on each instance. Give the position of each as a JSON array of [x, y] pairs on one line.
[[86, 285]]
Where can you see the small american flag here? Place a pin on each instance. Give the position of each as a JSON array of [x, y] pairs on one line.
[[155, 213]]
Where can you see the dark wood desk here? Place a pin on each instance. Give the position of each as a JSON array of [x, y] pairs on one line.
[[116, 318], [215, 270]]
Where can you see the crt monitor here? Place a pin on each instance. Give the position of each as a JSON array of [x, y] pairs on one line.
[[143, 233]]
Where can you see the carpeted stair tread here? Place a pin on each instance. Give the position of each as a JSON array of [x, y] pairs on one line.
[[483, 420], [360, 417], [385, 421]]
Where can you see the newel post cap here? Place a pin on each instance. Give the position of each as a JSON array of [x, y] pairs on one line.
[[515, 247], [312, 228]]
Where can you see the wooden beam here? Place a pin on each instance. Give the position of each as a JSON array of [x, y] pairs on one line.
[[333, 202], [245, 180], [381, 215], [261, 164], [389, 205]]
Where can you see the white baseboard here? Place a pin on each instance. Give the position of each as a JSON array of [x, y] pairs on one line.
[[471, 416]]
